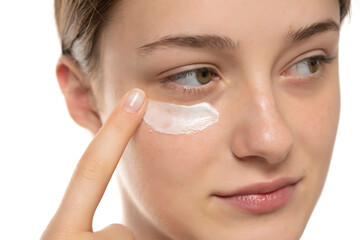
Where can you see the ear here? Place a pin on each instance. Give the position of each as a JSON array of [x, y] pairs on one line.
[[78, 95]]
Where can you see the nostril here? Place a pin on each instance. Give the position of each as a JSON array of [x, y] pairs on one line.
[[262, 131], [268, 140]]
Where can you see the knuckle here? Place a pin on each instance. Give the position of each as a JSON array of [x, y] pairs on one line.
[[117, 124], [93, 169]]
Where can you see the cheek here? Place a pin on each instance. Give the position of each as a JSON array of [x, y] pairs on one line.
[[159, 169], [318, 124], [174, 158], [315, 121]]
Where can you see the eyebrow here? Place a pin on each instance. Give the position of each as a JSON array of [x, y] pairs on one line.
[[224, 43], [215, 42], [315, 28]]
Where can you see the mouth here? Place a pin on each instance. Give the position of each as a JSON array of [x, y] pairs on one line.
[[260, 197]]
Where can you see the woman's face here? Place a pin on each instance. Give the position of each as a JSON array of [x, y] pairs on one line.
[[278, 103]]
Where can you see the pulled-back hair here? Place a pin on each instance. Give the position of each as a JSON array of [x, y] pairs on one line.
[[80, 23]]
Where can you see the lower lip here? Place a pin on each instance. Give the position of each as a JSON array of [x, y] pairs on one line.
[[261, 202]]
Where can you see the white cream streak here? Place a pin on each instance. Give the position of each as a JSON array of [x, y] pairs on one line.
[[175, 119]]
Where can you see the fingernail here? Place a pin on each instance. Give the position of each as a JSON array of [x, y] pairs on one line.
[[134, 100]]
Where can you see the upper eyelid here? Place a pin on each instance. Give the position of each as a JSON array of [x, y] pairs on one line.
[[199, 67], [320, 58], [188, 67], [304, 56]]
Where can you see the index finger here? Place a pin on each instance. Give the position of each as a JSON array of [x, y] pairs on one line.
[[99, 161]]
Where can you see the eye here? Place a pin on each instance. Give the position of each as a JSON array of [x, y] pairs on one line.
[[195, 77], [308, 66]]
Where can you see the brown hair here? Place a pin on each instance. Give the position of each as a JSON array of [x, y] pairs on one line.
[[80, 22]]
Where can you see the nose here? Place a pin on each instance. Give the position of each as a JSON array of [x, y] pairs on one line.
[[262, 133]]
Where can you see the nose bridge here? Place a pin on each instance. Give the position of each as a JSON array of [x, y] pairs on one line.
[[264, 131]]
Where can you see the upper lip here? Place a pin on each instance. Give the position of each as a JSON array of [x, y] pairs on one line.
[[260, 187]]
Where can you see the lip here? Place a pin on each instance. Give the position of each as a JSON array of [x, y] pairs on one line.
[[261, 197]]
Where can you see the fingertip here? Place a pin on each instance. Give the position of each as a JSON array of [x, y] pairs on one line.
[[129, 111], [134, 100]]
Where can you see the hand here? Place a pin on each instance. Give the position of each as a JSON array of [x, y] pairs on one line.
[[73, 219]]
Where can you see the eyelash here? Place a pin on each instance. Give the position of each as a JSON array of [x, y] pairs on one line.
[[322, 59], [188, 73], [187, 89]]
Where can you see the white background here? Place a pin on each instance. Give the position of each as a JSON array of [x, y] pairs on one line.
[[40, 145]]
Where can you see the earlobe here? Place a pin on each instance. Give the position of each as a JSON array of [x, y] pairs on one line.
[[78, 94]]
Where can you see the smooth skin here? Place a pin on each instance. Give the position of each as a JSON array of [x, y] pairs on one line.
[[73, 219], [274, 121]]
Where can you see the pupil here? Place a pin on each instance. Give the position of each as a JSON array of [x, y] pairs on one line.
[[313, 65], [204, 73]]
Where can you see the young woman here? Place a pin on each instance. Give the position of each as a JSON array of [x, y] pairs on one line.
[[232, 132]]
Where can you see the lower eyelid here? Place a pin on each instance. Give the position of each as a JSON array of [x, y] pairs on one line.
[[304, 80], [187, 89]]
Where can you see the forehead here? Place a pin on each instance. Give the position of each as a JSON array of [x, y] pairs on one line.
[[137, 22]]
